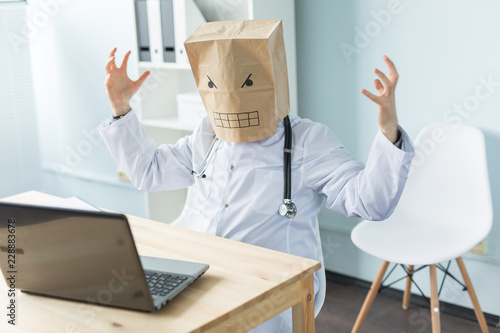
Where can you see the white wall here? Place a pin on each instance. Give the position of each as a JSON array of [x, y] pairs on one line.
[[442, 50]]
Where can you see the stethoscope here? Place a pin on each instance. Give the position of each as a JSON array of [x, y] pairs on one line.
[[287, 208]]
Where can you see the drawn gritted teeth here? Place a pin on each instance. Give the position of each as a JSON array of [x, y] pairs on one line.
[[236, 120]]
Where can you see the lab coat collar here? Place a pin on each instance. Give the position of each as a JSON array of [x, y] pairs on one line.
[[280, 132], [278, 136]]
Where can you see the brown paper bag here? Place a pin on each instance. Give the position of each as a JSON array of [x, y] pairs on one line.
[[241, 73]]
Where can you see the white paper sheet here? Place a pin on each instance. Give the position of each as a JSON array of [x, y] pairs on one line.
[[72, 203]]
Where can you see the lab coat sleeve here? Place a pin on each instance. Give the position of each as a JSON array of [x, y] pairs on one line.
[[148, 167], [352, 189]]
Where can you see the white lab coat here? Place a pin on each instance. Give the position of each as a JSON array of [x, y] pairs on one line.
[[240, 196]]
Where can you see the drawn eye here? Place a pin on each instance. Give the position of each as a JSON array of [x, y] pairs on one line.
[[247, 82], [211, 83]]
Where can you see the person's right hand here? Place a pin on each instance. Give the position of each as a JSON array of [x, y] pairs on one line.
[[119, 87]]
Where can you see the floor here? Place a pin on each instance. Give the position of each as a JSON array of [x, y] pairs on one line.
[[343, 303]]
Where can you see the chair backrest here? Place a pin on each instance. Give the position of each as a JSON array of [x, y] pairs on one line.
[[448, 187]]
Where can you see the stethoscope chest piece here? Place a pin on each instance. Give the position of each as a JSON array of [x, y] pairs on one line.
[[288, 209]]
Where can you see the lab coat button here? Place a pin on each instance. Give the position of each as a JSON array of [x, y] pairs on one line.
[[226, 205], [232, 167]]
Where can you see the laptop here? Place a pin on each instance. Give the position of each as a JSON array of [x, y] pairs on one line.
[[86, 256]]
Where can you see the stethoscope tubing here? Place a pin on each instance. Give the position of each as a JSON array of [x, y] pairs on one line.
[[214, 146], [287, 159]]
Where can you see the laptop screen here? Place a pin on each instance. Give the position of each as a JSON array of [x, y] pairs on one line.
[[81, 255]]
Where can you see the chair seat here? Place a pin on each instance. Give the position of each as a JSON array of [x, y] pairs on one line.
[[412, 244]]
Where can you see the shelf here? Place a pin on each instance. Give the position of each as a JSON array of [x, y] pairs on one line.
[[163, 65], [169, 123]]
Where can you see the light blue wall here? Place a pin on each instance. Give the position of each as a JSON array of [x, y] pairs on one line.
[[327, 85], [442, 50]]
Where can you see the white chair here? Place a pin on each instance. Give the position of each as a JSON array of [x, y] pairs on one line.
[[445, 211]]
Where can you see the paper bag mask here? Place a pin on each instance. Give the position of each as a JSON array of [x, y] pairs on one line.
[[241, 73]]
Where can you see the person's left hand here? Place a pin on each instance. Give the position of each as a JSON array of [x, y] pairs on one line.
[[387, 117]]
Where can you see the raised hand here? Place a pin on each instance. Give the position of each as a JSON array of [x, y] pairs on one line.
[[387, 117], [119, 87]]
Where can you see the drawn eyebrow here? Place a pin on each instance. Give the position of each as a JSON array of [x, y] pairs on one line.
[[212, 81], [246, 81]]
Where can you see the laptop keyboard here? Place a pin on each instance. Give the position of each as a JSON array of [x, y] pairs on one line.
[[161, 284]]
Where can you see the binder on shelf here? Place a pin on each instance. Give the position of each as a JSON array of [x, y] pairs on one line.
[[167, 30], [141, 21], [163, 26], [188, 18]]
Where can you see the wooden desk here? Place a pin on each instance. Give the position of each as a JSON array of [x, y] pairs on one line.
[[244, 286]]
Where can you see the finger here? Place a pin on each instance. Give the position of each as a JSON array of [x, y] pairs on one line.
[[110, 65], [384, 78], [107, 81], [112, 53], [370, 95], [379, 86], [393, 73], [125, 60], [142, 78]]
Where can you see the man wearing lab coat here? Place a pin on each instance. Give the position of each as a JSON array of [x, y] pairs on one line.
[[242, 187]]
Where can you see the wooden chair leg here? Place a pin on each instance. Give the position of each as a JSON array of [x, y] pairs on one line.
[[370, 298], [473, 297], [436, 322], [407, 294]]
